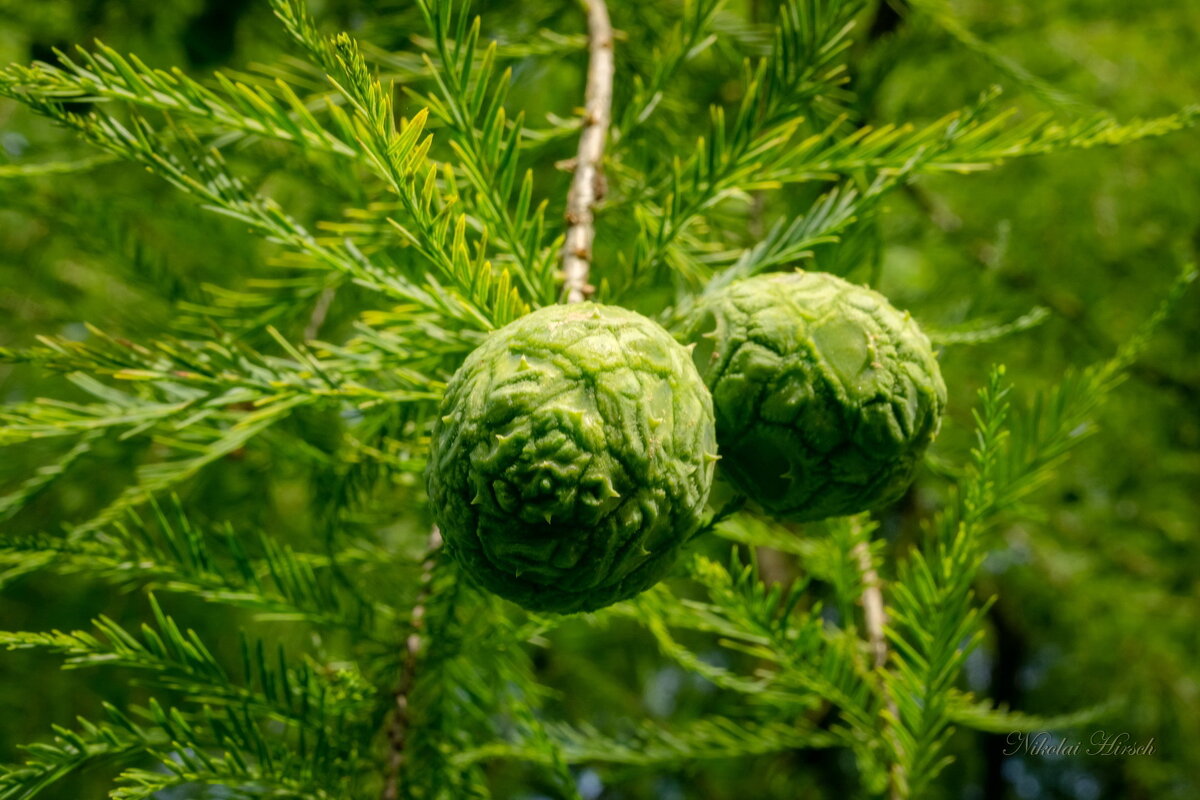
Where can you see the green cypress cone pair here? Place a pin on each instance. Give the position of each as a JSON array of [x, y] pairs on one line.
[[576, 446]]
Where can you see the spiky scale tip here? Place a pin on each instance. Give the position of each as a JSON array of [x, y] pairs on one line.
[[579, 506], [826, 396]]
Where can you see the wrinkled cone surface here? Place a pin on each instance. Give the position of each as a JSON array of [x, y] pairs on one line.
[[573, 457], [825, 395]]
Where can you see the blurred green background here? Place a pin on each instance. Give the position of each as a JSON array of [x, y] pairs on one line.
[[1099, 592]]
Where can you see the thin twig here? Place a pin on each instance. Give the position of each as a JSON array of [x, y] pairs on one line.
[[872, 603], [319, 312], [876, 619], [398, 730], [587, 183]]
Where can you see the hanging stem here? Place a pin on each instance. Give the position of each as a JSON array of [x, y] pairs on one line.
[[319, 312], [398, 730], [876, 619], [587, 183], [872, 602]]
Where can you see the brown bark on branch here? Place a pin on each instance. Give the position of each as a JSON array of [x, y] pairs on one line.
[[587, 183], [872, 603], [876, 619], [398, 730]]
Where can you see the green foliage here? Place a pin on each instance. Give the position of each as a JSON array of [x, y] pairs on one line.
[[282, 264]]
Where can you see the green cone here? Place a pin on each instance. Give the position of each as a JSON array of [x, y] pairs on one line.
[[573, 457], [825, 395]]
